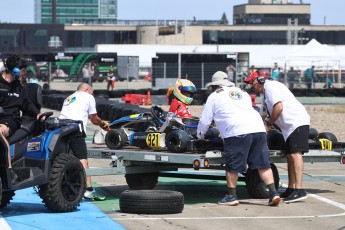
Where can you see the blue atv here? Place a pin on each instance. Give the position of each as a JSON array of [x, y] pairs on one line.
[[40, 157]]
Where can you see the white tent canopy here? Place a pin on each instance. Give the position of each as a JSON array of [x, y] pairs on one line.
[[312, 53]]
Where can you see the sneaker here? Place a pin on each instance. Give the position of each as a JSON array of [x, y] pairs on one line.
[[287, 193], [274, 199], [229, 200], [93, 195], [296, 195]]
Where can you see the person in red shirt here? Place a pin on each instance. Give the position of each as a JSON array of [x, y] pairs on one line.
[[180, 96]]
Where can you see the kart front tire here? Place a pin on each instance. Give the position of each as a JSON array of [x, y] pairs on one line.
[[115, 139], [177, 140], [66, 185]]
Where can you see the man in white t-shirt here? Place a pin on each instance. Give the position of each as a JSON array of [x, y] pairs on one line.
[[81, 106], [243, 132], [285, 111]]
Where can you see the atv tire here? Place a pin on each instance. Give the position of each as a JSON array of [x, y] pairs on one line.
[[142, 180], [66, 186], [256, 187], [151, 202], [115, 139], [177, 140], [6, 198]]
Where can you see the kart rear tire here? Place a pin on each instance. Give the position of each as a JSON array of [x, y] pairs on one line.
[[6, 197], [115, 139], [256, 187], [313, 134], [151, 202], [177, 140], [66, 185], [142, 180], [328, 136]]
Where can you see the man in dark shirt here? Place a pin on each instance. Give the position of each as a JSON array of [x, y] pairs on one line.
[[15, 100]]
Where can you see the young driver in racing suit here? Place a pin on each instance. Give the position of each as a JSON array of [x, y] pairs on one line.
[[182, 95]]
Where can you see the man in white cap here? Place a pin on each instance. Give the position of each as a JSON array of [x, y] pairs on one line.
[[243, 133]]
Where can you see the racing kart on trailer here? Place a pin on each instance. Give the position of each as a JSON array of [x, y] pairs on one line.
[[158, 129]]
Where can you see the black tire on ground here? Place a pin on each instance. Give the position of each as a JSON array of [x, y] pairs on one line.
[[151, 202], [313, 134], [6, 197], [256, 188], [142, 180], [115, 139], [177, 140], [66, 186], [328, 136]]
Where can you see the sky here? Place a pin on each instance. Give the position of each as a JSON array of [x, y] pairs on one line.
[[323, 12]]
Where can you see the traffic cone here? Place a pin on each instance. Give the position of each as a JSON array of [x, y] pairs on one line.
[[148, 100]]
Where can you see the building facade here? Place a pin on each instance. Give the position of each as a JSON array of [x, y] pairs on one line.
[[74, 11], [254, 24]]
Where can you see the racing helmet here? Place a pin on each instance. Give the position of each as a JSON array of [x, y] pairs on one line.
[[184, 91]]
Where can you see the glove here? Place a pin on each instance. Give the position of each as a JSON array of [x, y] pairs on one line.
[[105, 126]]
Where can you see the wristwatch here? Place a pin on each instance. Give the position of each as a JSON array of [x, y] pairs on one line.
[[267, 122]]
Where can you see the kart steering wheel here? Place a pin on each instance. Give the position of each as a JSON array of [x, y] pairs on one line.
[[158, 114]]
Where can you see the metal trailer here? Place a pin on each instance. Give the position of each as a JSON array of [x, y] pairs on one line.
[[143, 167]]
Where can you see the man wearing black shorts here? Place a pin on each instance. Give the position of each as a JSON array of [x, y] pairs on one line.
[[243, 132], [284, 110], [81, 105]]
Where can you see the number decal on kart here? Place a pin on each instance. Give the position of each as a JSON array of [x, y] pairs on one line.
[[153, 140]]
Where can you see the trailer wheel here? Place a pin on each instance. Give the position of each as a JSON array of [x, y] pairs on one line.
[[66, 185], [177, 140], [151, 202], [115, 139], [142, 180], [256, 187], [328, 136]]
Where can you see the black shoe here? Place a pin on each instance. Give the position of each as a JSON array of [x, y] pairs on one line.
[[274, 199], [296, 195], [287, 193]]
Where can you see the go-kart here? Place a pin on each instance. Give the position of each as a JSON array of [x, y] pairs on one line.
[[39, 156], [158, 130], [321, 141]]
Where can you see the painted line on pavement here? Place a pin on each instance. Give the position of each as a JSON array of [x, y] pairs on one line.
[[27, 211], [320, 198]]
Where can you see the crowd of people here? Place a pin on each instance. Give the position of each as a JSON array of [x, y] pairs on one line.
[[228, 109]]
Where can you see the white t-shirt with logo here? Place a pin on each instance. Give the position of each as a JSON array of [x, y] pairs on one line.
[[232, 111], [78, 106], [294, 114]]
